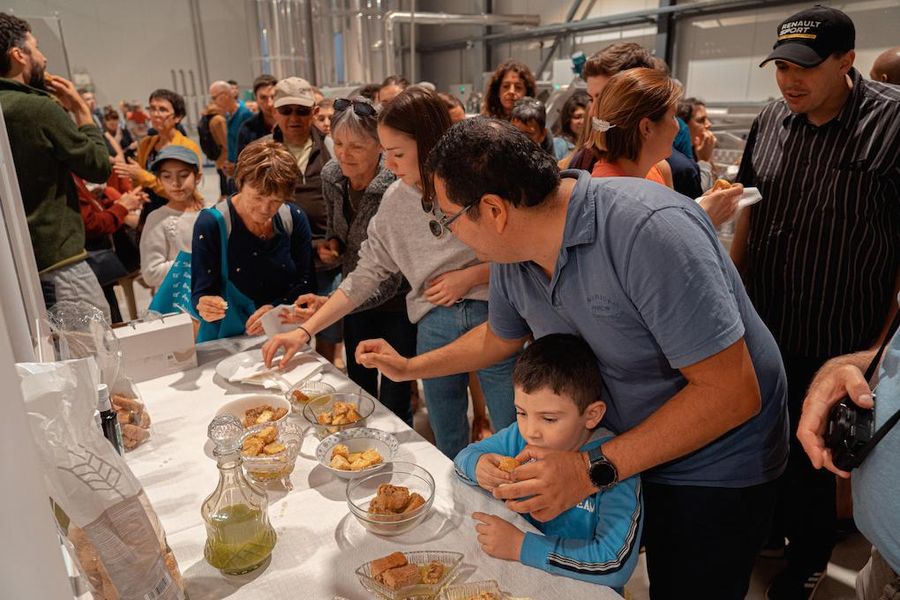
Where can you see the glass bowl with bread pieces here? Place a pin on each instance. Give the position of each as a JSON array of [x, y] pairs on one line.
[[331, 413], [269, 452], [417, 575], [393, 500]]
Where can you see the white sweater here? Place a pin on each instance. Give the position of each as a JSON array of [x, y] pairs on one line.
[[399, 241], [166, 233]]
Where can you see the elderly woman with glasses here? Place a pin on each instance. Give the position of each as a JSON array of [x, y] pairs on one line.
[[167, 109], [354, 185], [448, 284], [251, 251]]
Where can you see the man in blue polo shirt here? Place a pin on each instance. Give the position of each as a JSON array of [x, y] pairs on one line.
[[235, 111], [693, 379]]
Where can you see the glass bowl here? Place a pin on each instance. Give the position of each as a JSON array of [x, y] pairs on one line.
[[278, 467], [419, 591], [474, 589], [361, 491], [313, 390], [240, 406], [358, 439], [315, 408]]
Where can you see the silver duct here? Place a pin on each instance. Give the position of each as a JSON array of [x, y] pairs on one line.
[[281, 34], [347, 36], [430, 18], [341, 42]]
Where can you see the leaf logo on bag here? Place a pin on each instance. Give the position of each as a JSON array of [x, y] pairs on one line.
[[94, 472]]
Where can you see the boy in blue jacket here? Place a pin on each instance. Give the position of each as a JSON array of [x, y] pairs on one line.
[[557, 384]]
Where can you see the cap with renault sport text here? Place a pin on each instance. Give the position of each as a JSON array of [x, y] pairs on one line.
[[810, 36]]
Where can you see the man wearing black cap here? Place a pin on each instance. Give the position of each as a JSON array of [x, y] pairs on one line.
[[819, 254]]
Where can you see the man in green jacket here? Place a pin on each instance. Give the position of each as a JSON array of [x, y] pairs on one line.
[[46, 148]]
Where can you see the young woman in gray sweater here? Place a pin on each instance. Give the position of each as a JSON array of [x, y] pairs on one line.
[[448, 284]]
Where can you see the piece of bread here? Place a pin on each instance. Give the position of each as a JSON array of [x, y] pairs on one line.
[[391, 561], [432, 573], [339, 462], [268, 434], [400, 577], [341, 450], [721, 184], [508, 464], [395, 497], [415, 501], [274, 448]]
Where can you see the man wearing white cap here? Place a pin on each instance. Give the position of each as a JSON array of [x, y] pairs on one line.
[[295, 110]]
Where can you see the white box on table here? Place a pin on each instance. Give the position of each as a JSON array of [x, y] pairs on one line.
[[159, 347]]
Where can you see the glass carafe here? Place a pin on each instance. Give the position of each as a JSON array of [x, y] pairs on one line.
[[239, 537]]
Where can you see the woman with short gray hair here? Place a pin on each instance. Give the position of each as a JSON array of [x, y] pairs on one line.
[[353, 184]]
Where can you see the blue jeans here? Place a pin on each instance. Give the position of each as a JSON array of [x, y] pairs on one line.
[[447, 397], [327, 282], [396, 330]]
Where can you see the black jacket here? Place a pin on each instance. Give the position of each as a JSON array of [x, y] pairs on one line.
[[308, 191], [251, 130]]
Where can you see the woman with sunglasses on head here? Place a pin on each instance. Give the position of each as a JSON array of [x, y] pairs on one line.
[[354, 184], [448, 284], [295, 112]]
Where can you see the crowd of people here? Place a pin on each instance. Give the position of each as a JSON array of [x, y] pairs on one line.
[[656, 389]]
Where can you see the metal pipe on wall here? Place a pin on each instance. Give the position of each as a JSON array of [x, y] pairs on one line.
[[429, 18], [412, 40], [640, 17], [199, 42], [281, 38]]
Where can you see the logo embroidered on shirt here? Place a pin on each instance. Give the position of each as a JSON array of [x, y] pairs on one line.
[[587, 504], [601, 306]]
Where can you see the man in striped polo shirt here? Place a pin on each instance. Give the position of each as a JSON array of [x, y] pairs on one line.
[[820, 253]]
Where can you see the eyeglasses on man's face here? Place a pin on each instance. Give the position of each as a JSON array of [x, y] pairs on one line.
[[291, 109]]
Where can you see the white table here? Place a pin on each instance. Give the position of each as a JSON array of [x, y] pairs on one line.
[[320, 544]]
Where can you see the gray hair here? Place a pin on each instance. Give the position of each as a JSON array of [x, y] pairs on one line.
[[363, 127]]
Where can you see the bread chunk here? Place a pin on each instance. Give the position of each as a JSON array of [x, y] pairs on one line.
[[391, 561]]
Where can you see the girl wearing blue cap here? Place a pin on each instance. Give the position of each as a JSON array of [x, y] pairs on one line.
[[166, 238]]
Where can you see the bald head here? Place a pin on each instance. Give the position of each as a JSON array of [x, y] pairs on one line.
[[887, 67], [221, 96]]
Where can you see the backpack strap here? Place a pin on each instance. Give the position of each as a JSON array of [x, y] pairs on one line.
[[224, 209], [286, 218]]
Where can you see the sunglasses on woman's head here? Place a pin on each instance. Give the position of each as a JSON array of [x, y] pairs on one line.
[[442, 223], [291, 109], [362, 109]]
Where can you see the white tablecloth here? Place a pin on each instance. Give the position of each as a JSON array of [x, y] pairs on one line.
[[320, 544]]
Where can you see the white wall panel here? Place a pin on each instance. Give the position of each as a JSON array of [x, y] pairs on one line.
[[718, 57], [129, 47]]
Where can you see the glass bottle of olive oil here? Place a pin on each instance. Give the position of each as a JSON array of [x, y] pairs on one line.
[[239, 537]]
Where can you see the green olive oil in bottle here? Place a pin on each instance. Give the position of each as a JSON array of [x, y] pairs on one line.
[[239, 537]]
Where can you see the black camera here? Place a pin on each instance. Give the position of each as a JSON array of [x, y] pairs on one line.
[[849, 431]]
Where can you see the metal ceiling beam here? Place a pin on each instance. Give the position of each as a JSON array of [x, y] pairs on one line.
[[664, 45], [642, 17], [433, 18], [576, 4]]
